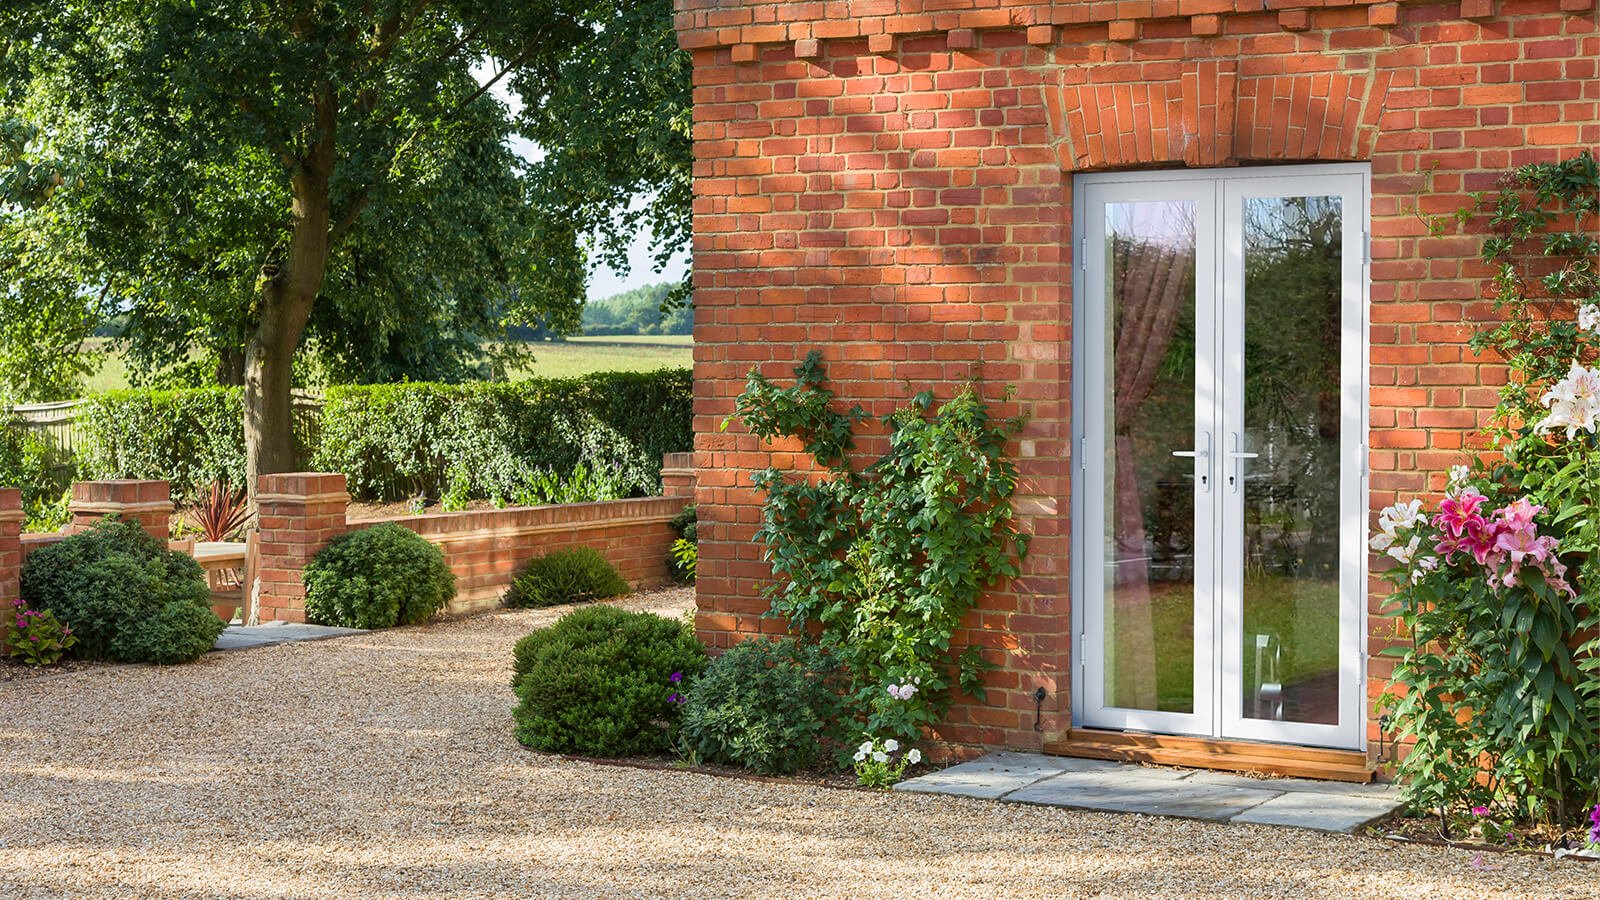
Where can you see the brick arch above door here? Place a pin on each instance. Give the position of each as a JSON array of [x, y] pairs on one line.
[[1210, 115]]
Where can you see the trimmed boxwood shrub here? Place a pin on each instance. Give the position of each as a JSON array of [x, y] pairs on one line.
[[566, 576], [764, 705], [124, 594], [491, 440], [377, 577], [599, 681]]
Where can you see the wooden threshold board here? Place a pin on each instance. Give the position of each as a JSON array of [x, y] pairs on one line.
[[1208, 753]]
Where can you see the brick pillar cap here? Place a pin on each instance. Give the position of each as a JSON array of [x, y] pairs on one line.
[[10, 498], [121, 490], [300, 484]]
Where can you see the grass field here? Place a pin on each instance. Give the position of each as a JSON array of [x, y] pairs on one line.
[[622, 353], [577, 356]]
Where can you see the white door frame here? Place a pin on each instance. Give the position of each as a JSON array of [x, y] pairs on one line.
[[1219, 271], [1091, 418]]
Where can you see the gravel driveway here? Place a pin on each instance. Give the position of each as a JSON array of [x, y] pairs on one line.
[[383, 765]]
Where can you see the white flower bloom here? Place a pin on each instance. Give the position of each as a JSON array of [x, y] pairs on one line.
[[1394, 519], [1574, 402], [860, 756], [914, 757], [916, 680], [880, 756], [1424, 565], [1589, 318], [891, 745], [1404, 553], [1458, 475], [866, 747]]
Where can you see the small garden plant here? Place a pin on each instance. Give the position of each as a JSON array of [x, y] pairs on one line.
[[378, 577], [35, 638], [577, 575], [684, 557], [765, 706], [124, 595], [1497, 684], [876, 765], [603, 681]]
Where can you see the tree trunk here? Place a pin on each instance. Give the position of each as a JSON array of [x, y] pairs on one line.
[[288, 293]]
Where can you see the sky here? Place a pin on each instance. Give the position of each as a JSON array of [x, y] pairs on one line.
[[603, 280]]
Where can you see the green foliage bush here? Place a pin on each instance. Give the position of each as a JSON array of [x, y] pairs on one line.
[[599, 681], [566, 576], [124, 595], [377, 577], [41, 471], [397, 440], [188, 438], [763, 705]]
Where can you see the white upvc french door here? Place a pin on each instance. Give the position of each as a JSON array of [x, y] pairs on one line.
[[1220, 423]]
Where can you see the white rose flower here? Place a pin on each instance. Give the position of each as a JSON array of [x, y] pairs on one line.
[[915, 756], [1589, 318], [891, 745]]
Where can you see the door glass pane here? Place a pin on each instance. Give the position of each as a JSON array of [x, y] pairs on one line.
[[1149, 386], [1292, 302]]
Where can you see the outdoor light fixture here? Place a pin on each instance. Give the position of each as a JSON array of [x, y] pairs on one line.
[[1038, 706]]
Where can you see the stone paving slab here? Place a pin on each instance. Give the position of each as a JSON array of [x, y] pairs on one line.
[[998, 773], [1161, 791], [1117, 792], [1370, 790], [240, 637], [1320, 812]]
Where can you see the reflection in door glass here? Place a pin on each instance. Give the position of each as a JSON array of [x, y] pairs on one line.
[[1292, 299], [1149, 493]]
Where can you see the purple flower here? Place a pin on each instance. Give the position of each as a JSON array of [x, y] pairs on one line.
[[675, 677], [1594, 826], [675, 698], [1480, 810]]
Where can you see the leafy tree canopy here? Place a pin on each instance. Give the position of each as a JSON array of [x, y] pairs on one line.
[[260, 174]]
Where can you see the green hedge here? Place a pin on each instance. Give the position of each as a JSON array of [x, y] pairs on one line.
[[188, 438], [490, 440], [497, 441]]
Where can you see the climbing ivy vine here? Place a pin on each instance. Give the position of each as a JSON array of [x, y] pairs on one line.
[[878, 564]]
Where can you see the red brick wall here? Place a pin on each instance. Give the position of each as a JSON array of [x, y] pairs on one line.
[[486, 548], [11, 517], [892, 186]]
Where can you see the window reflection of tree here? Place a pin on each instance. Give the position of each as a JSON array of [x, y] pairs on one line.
[[1293, 297], [1151, 249]]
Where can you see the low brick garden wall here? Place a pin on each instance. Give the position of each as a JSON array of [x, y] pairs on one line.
[[300, 512]]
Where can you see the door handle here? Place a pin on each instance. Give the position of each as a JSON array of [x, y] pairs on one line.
[[1202, 460], [1238, 456]]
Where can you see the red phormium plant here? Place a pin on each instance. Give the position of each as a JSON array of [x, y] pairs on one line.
[[220, 513]]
